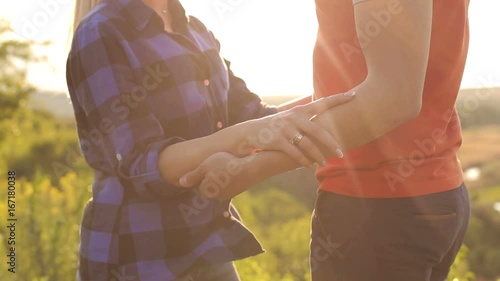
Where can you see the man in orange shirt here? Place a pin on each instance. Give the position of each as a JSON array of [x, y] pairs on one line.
[[395, 207]]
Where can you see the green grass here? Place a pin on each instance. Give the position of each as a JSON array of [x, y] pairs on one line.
[[486, 195]]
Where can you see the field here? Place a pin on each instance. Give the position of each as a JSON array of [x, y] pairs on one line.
[[53, 185]]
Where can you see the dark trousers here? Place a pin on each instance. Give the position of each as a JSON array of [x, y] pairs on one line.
[[396, 239]]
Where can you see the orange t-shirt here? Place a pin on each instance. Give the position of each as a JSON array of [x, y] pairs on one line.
[[419, 157]]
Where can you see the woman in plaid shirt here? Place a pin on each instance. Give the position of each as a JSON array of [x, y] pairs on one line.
[[153, 99]]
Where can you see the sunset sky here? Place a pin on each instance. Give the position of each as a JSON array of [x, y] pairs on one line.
[[268, 41]]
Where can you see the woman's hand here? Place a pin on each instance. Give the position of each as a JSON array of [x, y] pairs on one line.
[[293, 133]]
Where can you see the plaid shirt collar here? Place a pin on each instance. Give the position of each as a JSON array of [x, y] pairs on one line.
[[140, 15]]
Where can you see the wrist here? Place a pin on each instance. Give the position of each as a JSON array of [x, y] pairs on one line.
[[231, 139], [243, 143]]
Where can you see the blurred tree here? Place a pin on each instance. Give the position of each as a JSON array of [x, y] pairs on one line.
[[460, 270], [14, 90], [14, 56], [483, 240], [479, 107], [31, 140]]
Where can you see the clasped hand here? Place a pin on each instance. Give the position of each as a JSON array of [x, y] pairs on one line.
[[291, 132]]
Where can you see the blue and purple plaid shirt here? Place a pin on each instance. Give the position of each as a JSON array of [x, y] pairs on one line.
[[136, 89]]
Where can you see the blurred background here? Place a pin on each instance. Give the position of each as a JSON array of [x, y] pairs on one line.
[[38, 135]]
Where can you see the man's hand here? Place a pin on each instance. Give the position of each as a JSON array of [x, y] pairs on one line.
[[220, 176]]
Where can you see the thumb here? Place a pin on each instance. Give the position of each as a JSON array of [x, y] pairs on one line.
[[323, 104], [192, 178]]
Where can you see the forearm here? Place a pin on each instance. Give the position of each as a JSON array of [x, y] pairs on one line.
[[370, 115], [396, 62], [180, 158], [256, 168], [376, 111], [267, 133]]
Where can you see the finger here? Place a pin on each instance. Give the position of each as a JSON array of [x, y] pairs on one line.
[[193, 178], [323, 104], [318, 133], [312, 151], [305, 145], [294, 152]]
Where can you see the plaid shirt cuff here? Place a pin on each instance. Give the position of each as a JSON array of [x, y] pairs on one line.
[[144, 176]]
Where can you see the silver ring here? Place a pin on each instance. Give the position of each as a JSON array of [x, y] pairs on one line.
[[297, 138]]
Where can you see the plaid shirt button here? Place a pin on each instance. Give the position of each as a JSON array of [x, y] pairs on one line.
[[206, 82], [226, 214], [219, 124], [118, 157]]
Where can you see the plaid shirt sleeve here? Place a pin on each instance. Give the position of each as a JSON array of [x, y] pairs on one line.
[[114, 103]]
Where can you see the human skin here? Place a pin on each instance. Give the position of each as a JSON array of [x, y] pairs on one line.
[[177, 159], [391, 95]]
